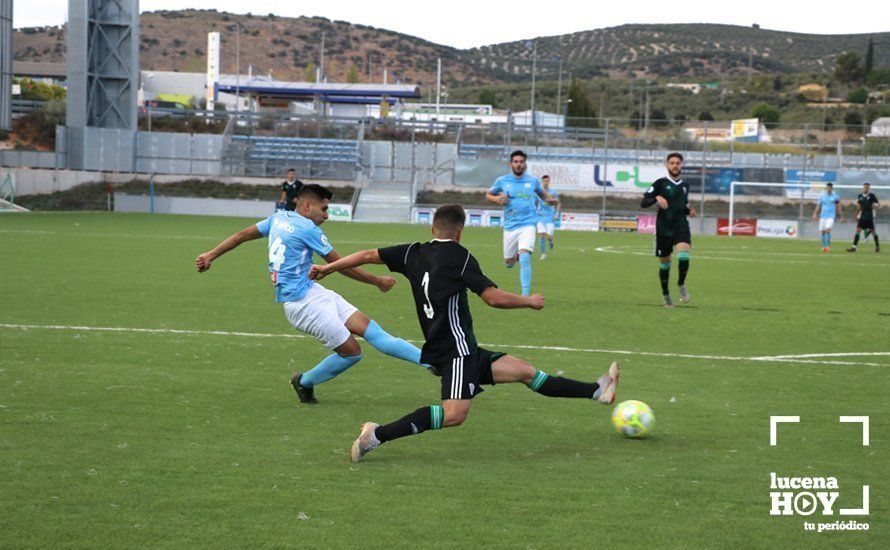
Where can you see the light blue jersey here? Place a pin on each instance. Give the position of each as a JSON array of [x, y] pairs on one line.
[[292, 240], [523, 191], [827, 205], [547, 211]]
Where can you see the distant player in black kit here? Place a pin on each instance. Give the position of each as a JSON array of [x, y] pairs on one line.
[[440, 272], [671, 226], [866, 204], [290, 188]]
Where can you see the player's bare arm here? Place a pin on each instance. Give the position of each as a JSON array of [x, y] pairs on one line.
[[547, 197], [816, 211], [500, 198], [204, 260], [499, 299], [351, 270]]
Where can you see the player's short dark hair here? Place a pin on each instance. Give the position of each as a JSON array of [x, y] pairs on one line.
[[314, 191], [449, 218], [291, 170], [675, 155], [829, 184], [545, 177], [518, 153], [866, 183]]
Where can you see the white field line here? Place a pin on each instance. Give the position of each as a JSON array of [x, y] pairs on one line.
[[805, 359], [705, 256]]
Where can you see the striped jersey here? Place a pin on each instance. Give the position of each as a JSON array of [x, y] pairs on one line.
[[440, 272]]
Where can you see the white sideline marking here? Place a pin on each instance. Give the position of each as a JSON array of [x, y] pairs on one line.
[[778, 359], [809, 355], [705, 256]]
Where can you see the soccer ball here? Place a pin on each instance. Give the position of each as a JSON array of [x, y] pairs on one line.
[[633, 418]]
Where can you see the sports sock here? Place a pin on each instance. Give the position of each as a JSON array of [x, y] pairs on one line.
[[543, 245], [824, 240], [525, 273], [330, 367], [664, 273], [551, 244], [683, 266], [828, 239], [390, 345], [557, 386], [421, 420], [856, 238], [877, 243]]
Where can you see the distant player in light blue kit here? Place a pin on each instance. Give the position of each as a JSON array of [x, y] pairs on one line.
[[293, 239], [517, 192], [547, 216], [825, 210]]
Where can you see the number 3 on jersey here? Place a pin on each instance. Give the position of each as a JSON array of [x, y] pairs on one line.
[[428, 306]]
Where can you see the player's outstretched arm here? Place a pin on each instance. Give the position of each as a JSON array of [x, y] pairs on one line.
[[348, 266], [204, 260], [497, 298]]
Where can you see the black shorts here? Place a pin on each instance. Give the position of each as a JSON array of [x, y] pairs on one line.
[[462, 377], [868, 223], [664, 245]]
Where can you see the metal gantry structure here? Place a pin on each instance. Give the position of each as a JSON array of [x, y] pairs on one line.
[[5, 64], [103, 78], [103, 63]]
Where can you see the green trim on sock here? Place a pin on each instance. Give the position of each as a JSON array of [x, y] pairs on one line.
[[538, 380], [683, 255], [437, 414], [664, 266]]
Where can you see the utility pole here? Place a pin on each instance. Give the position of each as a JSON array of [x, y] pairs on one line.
[[321, 75], [647, 108], [237, 66], [559, 87], [438, 84]]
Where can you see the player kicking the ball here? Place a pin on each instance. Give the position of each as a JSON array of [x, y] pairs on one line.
[[293, 238], [440, 272], [671, 226]]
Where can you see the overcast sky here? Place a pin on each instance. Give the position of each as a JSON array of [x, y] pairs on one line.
[[466, 23]]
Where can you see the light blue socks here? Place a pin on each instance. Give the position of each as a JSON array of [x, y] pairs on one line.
[[525, 272], [390, 345], [330, 367], [543, 245]]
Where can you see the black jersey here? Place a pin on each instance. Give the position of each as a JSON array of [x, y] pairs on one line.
[[672, 219], [866, 202], [440, 272], [291, 190]]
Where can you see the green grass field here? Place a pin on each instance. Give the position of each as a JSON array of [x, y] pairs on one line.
[[163, 433]]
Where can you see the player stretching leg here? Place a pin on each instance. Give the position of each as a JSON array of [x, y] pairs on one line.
[[827, 207], [440, 272], [547, 216], [866, 204], [516, 192], [311, 308], [671, 226]]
